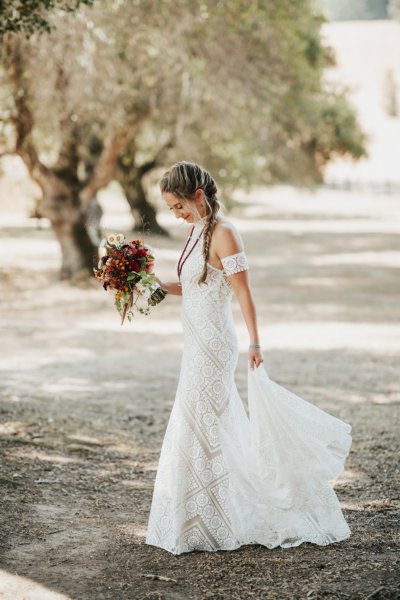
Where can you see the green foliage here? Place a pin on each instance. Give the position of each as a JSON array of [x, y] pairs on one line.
[[30, 16], [234, 85]]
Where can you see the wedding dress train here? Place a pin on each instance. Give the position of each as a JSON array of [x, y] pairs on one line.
[[226, 478]]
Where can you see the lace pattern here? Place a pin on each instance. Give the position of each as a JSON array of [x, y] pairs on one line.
[[224, 478], [235, 263]]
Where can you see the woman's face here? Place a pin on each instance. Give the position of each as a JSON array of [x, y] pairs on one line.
[[180, 208]]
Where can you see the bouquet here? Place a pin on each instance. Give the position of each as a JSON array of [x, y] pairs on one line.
[[127, 267]]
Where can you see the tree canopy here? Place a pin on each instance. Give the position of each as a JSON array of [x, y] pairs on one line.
[[28, 16], [236, 86]]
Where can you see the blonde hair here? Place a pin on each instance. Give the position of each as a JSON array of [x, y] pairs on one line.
[[182, 180]]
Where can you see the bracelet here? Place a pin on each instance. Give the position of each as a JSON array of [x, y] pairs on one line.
[[254, 346]]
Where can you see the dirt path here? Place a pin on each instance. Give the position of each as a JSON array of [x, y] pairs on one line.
[[85, 405]]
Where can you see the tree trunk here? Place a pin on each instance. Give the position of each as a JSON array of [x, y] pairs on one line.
[[79, 255], [68, 203], [94, 215], [61, 205], [143, 212]]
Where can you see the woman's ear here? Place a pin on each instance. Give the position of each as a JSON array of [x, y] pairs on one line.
[[200, 198], [198, 195]]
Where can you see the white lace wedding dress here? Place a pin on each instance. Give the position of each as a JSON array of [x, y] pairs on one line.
[[224, 478]]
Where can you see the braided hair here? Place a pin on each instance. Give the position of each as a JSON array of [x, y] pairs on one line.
[[182, 180]]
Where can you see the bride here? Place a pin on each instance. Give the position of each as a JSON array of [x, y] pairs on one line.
[[226, 478]]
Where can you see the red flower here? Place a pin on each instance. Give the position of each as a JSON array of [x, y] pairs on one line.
[[134, 265], [140, 252]]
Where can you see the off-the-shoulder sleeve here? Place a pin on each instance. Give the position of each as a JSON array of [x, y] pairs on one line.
[[235, 263]]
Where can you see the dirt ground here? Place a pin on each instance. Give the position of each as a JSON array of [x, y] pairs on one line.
[[85, 404]]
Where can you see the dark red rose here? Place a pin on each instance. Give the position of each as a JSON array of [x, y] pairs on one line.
[[134, 265], [140, 252]]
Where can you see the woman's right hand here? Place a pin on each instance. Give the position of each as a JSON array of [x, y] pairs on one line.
[[171, 287], [255, 358]]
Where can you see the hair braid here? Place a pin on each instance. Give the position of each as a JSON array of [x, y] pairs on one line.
[[211, 221], [182, 180]]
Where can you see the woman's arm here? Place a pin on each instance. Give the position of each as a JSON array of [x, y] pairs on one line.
[[241, 288], [227, 243], [172, 287]]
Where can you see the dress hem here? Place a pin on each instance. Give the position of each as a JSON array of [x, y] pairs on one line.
[[240, 545]]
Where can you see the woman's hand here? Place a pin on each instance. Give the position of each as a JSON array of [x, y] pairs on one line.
[[255, 357], [171, 287]]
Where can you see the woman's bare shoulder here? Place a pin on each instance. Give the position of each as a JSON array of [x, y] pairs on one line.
[[227, 237], [224, 228]]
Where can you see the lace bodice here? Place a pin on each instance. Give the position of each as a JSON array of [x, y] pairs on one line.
[[217, 279]]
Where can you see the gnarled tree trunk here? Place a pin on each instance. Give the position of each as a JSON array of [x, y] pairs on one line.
[[130, 176], [61, 205], [143, 212], [68, 202]]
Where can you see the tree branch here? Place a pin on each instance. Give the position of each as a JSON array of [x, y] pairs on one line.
[[156, 161], [106, 166], [22, 118]]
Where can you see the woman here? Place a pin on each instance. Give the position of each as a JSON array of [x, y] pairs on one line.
[[225, 479]]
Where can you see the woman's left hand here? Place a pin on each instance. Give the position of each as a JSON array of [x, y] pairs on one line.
[[255, 357]]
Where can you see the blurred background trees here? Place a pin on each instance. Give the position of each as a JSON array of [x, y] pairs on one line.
[[394, 9], [342, 10], [120, 90], [358, 10], [28, 16]]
